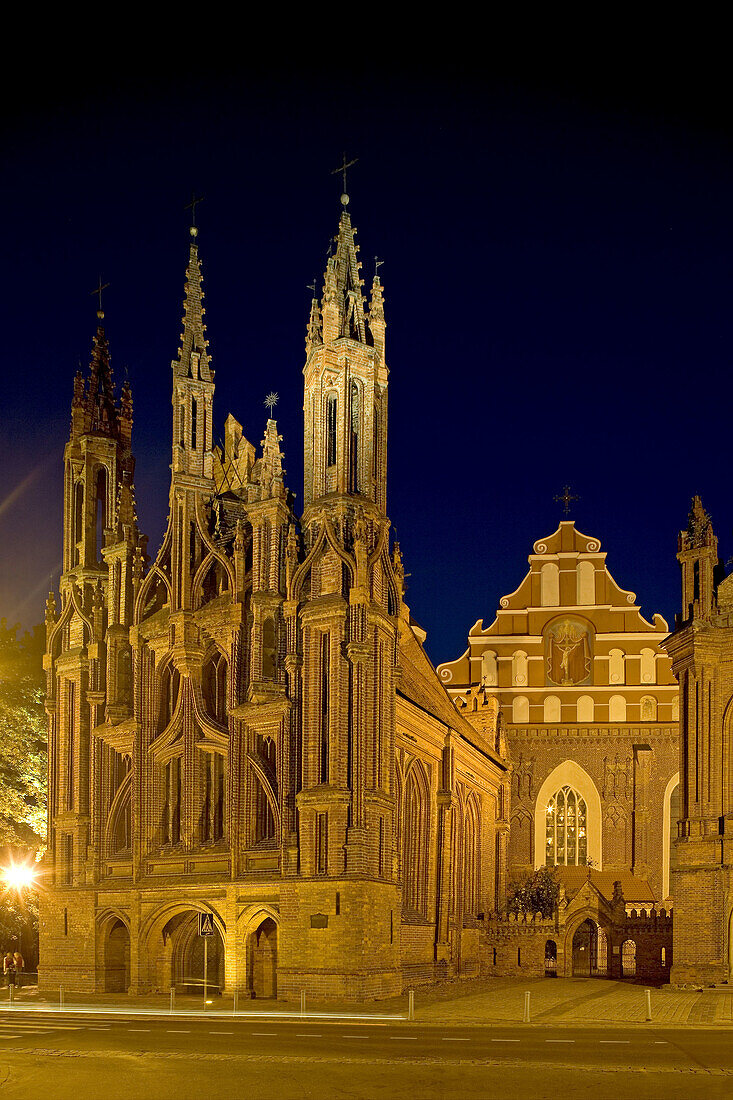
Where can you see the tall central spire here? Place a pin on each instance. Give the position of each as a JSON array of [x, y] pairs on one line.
[[343, 300], [193, 356]]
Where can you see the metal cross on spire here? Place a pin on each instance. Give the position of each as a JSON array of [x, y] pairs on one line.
[[312, 288], [343, 167], [566, 498], [98, 291], [271, 401], [377, 264], [195, 200]]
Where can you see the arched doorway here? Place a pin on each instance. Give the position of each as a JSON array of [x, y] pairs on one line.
[[590, 950], [117, 958], [262, 956], [628, 959], [550, 959], [183, 955]]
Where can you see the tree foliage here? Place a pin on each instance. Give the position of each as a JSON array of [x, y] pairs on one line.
[[23, 740], [538, 893]]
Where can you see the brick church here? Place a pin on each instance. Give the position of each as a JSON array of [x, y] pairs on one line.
[[245, 723]]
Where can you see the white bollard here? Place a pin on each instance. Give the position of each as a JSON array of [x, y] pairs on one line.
[[648, 994], [173, 999], [61, 998], [526, 1008], [11, 993], [411, 1004], [234, 1007], [302, 1002]]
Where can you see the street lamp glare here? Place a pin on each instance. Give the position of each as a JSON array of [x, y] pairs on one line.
[[19, 876]]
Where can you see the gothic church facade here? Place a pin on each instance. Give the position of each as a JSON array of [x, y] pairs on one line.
[[246, 724]]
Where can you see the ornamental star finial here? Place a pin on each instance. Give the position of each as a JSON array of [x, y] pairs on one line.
[[271, 401]]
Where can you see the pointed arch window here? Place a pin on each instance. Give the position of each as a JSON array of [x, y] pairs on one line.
[[215, 687], [194, 422], [172, 801], [100, 509], [331, 418], [566, 829], [325, 708], [78, 518], [375, 445], [170, 686], [471, 862], [212, 818], [354, 420], [269, 649], [264, 819], [415, 841]]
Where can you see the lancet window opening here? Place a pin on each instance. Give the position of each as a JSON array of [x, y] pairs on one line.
[[566, 829], [354, 418], [213, 816], [78, 519], [70, 742], [216, 678], [172, 801], [100, 510], [331, 421], [415, 840], [325, 708], [194, 423]]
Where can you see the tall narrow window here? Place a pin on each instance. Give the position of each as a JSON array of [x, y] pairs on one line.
[[380, 851], [213, 812], [100, 506], [354, 440], [215, 687], [172, 808], [331, 411], [325, 700], [182, 425], [71, 742], [322, 844], [194, 422], [375, 445], [78, 518]]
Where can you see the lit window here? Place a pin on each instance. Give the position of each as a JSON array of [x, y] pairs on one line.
[[566, 829]]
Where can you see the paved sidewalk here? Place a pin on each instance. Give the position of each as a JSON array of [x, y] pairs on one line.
[[490, 1001]]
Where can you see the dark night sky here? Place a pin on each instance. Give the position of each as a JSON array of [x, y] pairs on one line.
[[558, 283]]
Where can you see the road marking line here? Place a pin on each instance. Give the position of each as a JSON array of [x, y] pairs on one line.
[[270, 1033], [138, 1029], [403, 1037], [15, 1036], [356, 1036], [614, 1040], [563, 1040], [451, 1039], [317, 1035], [660, 1043], [221, 1033], [175, 1031], [505, 1040]]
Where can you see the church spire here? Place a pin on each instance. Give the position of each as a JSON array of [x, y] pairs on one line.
[[343, 299], [193, 358], [101, 414]]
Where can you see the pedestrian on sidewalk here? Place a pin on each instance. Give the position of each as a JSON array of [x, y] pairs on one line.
[[19, 967], [9, 969]]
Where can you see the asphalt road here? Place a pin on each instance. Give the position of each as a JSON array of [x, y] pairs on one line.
[[58, 1056]]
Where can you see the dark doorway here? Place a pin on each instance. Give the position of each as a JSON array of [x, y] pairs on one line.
[[263, 960]]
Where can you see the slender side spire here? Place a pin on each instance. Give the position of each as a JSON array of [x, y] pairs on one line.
[[101, 414], [193, 357]]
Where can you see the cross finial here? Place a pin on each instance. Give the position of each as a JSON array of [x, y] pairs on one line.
[[195, 200], [566, 498], [377, 264], [271, 401], [342, 169], [98, 291], [312, 288]]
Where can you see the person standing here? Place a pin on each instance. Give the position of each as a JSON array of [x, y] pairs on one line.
[[19, 967], [9, 969]]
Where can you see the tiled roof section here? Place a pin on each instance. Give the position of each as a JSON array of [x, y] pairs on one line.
[[635, 890], [420, 684]]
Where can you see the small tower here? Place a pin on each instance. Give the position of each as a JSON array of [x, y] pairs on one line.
[[346, 382], [88, 656], [701, 649]]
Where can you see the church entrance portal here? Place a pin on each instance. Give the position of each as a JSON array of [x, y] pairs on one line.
[[185, 950], [590, 951], [262, 954], [117, 959]]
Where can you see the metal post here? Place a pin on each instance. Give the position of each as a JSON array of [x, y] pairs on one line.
[[302, 1002], [11, 993], [648, 994], [206, 963], [61, 998], [411, 1004], [234, 1008], [526, 1008], [173, 999]]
